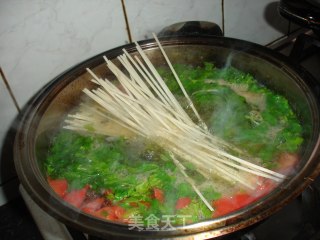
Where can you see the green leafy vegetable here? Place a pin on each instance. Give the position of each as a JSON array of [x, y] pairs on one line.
[[222, 97], [133, 168]]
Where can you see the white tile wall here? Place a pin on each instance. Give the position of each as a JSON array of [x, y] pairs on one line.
[[147, 16], [41, 38], [255, 21]]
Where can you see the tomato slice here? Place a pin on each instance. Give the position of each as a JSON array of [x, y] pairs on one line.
[[59, 186], [137, 204], [183, 202], [243, 199], [92, 205], [105, 213], [76, 197], [113, 213], [145, 203], [227, 205], [158, 194], [223, 206], [133, 204], [118, 211]]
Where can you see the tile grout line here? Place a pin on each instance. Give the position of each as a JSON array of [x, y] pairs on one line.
[[9, 90], [222, 11], [276, 40], [293, 33], [126, 20]]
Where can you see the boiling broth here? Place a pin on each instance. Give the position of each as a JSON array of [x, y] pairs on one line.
[[127, 178]]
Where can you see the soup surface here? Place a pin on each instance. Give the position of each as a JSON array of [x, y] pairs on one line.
[[116, 175]]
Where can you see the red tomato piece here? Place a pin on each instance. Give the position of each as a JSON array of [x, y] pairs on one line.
[[227, 205], [145, 203], [158, 194], [113, 213], [59, 186], [103, 212], [76, 197], [118, 211], [133, 204], [112, 217], [242, 199], [223, 206], [92, 205], [136, 204], [183, 202]]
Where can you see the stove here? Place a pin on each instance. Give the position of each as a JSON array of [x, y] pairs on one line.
[[299, 220]]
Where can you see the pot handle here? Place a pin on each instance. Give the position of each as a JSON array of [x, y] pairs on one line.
[[191, 28]]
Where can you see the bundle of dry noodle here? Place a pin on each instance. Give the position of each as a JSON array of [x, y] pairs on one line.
[[145, 106]]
